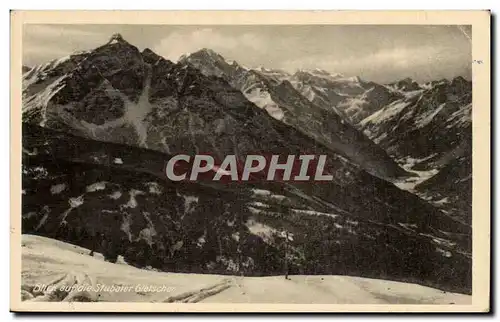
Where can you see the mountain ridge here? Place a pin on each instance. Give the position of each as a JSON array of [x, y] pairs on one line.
[[282, 101]]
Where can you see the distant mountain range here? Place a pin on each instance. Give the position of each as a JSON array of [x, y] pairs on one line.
[[423, 127], [99, 126]]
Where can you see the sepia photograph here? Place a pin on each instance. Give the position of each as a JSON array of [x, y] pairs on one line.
[[214, 162]]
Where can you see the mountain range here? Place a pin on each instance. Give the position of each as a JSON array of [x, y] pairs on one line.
[[99, 127], [421, 128]]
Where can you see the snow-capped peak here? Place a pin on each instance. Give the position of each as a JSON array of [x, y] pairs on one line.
[[262, 69], [211, 53], [318, 72], [205, 54], [337, 75], [322, 72], [116, 38], [354, 79]]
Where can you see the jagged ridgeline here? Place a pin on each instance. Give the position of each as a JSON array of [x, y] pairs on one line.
[[99, 126]]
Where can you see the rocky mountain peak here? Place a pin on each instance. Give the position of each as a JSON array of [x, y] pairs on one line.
[[207, 53], [116, 38], [320, 71], [354, 79], [150, 56], [321, 75], [459, 80], [460, 85], [406, 84], [117, 49], [325, 73]]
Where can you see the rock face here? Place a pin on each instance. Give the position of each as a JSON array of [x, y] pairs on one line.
[[99, 127], [406, 85]]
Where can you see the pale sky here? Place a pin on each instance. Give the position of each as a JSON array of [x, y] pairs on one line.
[[381, 53]]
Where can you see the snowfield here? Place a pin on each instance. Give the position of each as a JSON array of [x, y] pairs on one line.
[[57, 271]]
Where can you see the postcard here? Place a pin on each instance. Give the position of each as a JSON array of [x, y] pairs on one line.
[[250, 161]]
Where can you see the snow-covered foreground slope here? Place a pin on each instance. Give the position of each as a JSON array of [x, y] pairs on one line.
[[59, 265]]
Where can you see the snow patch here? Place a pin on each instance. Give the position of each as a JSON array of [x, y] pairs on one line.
[[59, 61], [440, 241], [96, 186], [412, 182], [73, 203], [263, 100], [409, 184], [190, 203], [34, 152], [40, 172], [76, 202], [147, 235], [279, 197], [461, 118], [443, 252], [407, 225], [132, 202], [125, 226], [284, 234], [425, 118], [254, 211], [442, 201], [386, 113], [58, 188], [259, 204], [261, 192], [379, 139], [202, 240], [46, 212], [115, 195], [154, 188], [136, 113], [263, 231], [408, 162], [313, 213]]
